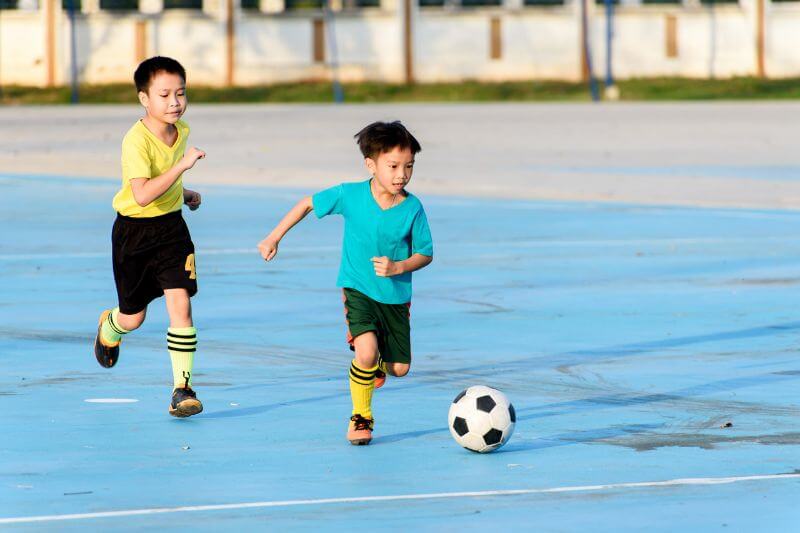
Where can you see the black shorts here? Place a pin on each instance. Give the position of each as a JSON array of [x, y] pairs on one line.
[[150, 255]]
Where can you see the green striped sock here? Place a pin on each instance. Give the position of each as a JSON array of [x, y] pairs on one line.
[[182, 343], [110, 330]]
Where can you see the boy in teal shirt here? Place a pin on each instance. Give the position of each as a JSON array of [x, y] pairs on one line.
[[386, 238]]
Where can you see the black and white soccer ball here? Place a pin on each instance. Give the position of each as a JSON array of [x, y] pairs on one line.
[[481, 419]]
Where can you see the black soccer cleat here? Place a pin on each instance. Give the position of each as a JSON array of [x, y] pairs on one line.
[[184, 403], [106, 355]]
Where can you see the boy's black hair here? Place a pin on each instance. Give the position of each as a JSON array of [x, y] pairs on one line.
[[381, 137], [148, 68]]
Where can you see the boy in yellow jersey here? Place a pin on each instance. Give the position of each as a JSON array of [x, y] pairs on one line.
[[153, 253], [386, 238]]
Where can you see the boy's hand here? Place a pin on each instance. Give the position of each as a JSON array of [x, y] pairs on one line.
[[192, 199], [268, 248], [385, 267], [191, 156]]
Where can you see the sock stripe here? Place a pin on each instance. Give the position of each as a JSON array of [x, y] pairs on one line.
[[361, 373], [116, 328], [192, 336], [174, 349], [358, 381], [368, 377], [182, 343]]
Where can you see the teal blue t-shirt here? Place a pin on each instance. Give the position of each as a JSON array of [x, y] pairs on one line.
[[369, 231]]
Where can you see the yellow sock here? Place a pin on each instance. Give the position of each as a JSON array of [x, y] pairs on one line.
[[362, 384], [382, 366], [182, 343]]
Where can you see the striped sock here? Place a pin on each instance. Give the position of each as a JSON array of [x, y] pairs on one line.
[[182, 343], [110, 330], [382, 365], [362, 384]]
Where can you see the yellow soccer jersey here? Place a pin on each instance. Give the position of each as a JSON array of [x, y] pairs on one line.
[[146, 156]]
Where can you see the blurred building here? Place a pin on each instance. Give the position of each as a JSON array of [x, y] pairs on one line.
[[245, 42]]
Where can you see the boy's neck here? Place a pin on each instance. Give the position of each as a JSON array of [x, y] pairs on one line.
[[163, 130], [385, 198]]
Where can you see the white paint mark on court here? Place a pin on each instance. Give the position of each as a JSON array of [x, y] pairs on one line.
[[400, 497], [110, 400]]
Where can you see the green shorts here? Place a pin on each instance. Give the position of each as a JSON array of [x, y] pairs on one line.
[[390, 322]]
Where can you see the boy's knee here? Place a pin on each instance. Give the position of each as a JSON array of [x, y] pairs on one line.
[[366, 359], [399, 370], [133, 321]]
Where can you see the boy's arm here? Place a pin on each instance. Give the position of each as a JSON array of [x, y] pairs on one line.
[[146, 190], [385, 267], [269, 246]]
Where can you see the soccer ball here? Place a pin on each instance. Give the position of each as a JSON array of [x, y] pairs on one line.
[[481, 419]]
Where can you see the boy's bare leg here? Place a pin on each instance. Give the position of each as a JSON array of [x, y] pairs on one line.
[[366, 346], [362, 385], [179, 308], [397, 369], [111, 327], [132, 322], [181, 343]]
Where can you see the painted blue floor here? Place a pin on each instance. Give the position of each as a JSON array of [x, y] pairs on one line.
[[625, 336]]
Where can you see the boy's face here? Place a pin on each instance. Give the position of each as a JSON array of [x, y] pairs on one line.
[[165, 99], [392, 169]]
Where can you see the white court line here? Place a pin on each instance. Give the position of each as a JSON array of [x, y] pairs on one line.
[[107, 255], [110, 400], [503, 244], [400, 497]]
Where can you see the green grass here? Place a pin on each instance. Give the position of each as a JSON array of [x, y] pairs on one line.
[[631, 90]]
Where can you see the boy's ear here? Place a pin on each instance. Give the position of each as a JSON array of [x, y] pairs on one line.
[[143, 98], [371, 165]]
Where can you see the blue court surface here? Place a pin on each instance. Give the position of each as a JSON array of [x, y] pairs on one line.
[[651, 354]]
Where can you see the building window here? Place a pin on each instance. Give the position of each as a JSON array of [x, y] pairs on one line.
[[183, 4], [8, 4], [250, 4], [76, 4], [535, 3], [304, 4], [120, 5], [481, 3]]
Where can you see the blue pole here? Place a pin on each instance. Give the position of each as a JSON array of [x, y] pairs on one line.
[[1, 55], [73, 52], [587, 50], [330, 30], [609, 40]]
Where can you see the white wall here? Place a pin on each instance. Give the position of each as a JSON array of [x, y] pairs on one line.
[[449, 44], [22, 48], [540, 43], [783, 40], [711, 43]]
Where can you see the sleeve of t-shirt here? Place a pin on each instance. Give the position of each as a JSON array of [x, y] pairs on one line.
[[421, 241], [135, 159], [328, 202]]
